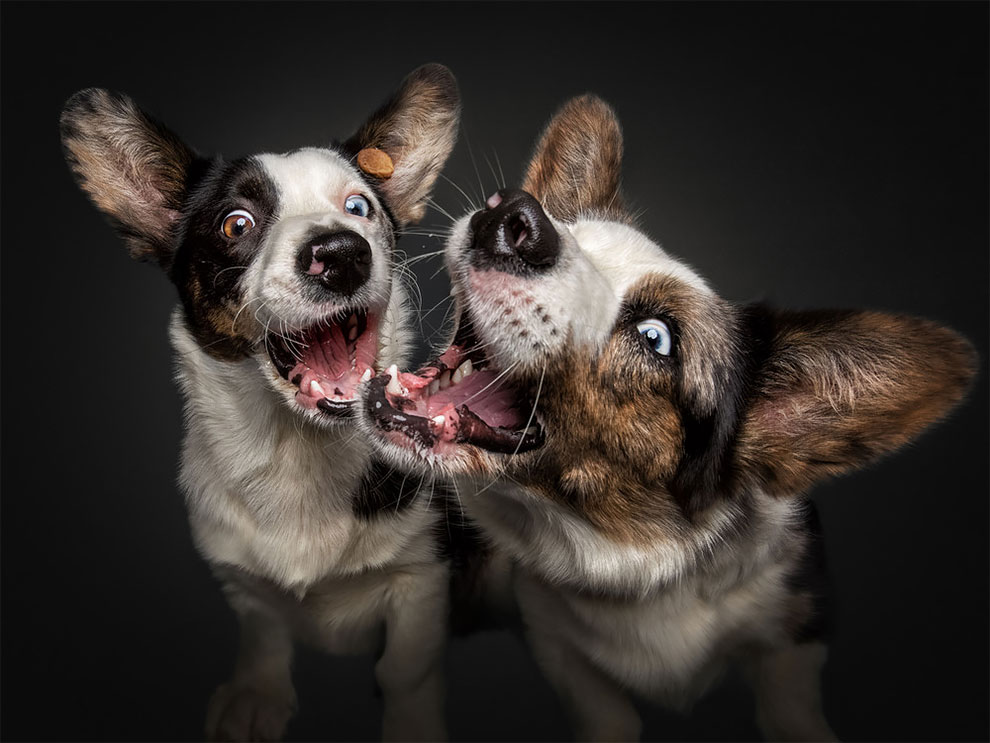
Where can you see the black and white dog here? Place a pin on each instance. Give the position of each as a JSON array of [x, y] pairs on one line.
[[640, 448], [289, 302]]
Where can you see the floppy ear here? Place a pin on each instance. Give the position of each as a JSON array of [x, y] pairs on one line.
[[835, 390], [417, 128], [577, 166], [133, 168]]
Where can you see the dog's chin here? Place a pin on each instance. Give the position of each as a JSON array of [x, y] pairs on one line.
[[322, 368], [458, 413]]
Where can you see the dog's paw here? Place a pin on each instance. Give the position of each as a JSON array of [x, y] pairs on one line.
[[240, 712]]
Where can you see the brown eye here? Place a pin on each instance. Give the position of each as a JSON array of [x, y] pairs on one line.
[[237, 224]]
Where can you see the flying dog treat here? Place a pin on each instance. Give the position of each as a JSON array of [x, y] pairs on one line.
[[375, 162]]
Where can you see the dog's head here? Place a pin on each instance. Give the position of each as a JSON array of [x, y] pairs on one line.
[[605, 376], [283, 258]]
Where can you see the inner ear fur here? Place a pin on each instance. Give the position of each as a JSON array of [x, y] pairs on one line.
[[417, 127], [132, 167], [576, 168], [835, 390]]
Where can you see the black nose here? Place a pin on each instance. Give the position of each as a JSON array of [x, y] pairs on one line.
[[513, 234], [335, 262]]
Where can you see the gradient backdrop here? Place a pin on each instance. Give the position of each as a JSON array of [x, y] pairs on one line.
[[808, 155]]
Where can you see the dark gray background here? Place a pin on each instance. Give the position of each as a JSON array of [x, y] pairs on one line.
[[809, 155]]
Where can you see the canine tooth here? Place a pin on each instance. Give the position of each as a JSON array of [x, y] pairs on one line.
[[393, 387], [315, 390], [445, 380], [353, 333], [457, 376], [439, 420], [434, 387], [466, 369], [367, 375]]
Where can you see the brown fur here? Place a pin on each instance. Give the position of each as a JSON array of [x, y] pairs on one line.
[[132, 167], [577, 166], [428, 101], [841, 389]]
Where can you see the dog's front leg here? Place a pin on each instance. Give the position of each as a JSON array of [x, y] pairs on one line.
[[598, 708], [787, 685], [410, 670], [257, 702]]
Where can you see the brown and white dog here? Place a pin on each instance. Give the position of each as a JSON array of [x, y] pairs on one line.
[[289, 302], [640, 448]]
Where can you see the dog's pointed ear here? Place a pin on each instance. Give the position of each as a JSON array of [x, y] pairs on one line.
[[833, 391], [417, 129], [577, 165], [133, 168]]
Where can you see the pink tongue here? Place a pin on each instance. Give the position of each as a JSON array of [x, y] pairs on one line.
[[334, 366], [494, 405], [326, 357]]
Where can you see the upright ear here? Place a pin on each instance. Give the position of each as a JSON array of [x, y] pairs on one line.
[[577, 166], [133, 168], [417, 128], [835, 390]]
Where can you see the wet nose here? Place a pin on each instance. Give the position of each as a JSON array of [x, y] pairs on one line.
[[336, 262], [513, 234]]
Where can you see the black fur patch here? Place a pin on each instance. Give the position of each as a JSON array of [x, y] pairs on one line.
[[810, 578], [384, 491], [208, 266]]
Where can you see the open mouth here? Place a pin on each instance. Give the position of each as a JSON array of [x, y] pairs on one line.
[[460, 398], [328, 361]]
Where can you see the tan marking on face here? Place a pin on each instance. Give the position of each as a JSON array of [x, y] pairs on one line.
[[614, 422], [214, 327]]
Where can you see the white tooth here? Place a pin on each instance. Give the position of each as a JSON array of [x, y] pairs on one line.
[[393, 371], [532, 429], [467, 368], [353, 333], [434, 387], [445, 380], [457, 376], [439, 420], [367, 375], [315, 390], [393, 387]]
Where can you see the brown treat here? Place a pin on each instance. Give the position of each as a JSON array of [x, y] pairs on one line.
[[375, 162]]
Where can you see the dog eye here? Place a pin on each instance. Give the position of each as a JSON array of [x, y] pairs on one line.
[[656, 334], [358, 205], [237, 224]]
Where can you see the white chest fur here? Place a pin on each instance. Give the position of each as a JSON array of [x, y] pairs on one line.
[[653, 617], [268, 493]]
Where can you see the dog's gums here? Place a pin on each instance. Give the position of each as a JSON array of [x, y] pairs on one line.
[[457, 399], [327, 361]]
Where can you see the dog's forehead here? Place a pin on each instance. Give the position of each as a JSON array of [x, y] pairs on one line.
[[310, 178], [623, 256]]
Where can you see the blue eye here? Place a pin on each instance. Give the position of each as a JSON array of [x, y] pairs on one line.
[[358, 205], [657, 335]]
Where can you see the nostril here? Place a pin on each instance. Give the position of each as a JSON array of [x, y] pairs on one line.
[[518, 230], [316, 266]]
